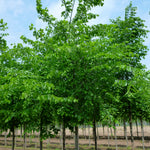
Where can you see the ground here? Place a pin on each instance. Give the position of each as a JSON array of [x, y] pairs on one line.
[[86, 142]]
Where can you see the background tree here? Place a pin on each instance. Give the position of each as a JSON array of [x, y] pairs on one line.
[[130, 36]]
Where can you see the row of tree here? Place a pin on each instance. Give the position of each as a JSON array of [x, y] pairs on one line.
[[74, 73]]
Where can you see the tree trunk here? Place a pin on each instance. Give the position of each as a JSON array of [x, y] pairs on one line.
[[13, 138], [41, 134], [103, 130], [64, 134], [5, 138], [97, 132], [94, 134], [61, 135], [85, 131], [131, 131], [21, 131], [89, 136], [115, 136], [137, 128], [49, 142], [24, 136], [125, 132], [142, 130], [111, 132], [76, 138], [108, 137]]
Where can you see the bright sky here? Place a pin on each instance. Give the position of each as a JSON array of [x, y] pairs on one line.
[[19, 14]]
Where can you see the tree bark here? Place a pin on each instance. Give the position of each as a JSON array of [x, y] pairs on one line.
[[89, 136], [5, 138], [97, 132], [125, 132], [94, 134], [137, 128], [41, 134], [108, 137], [115, 136], [64, 134], [13, 138], [85, 132], [61, 135], [76, 138], [111, 132], [142, 130], [24, 136], [21, 131], [131, 131], [103, 130]]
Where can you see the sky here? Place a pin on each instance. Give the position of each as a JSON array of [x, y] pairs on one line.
[[19, 14]]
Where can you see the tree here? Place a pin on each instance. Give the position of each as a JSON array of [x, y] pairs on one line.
[[7, 117], [68, 45], [130, 33], [138, 89]]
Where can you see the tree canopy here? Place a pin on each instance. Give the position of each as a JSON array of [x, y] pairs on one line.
[[74, 73]]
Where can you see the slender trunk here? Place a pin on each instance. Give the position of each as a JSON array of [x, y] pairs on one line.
[[97, 132], [115, 136], [21, 131], [38, 140], [41, 134], [114, 128], [76, 138], [13, 138], [94, 134], [49, 142], [61, 135], [137, 128], [125, 132], [35, 143], [13, 128], [111, 132], [89, 136], [125, 128], [5, 138], [85, 131], [103, 130], [108, 137], [64, 134], [24, 136], [142, 130], [131, 130], [72, 12]]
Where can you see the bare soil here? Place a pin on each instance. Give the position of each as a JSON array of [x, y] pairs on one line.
[[85, 142]]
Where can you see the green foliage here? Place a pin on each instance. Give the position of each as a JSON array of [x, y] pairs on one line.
[[74, 72], [3, 45]]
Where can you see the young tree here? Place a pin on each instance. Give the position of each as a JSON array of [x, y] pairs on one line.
[[130, 34], [6, 62]]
